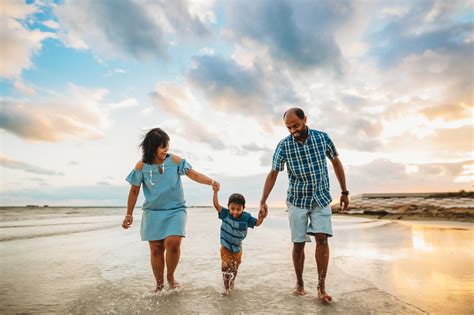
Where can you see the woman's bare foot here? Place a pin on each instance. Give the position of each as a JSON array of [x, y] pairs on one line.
[[323, 296], [159, 287], [299, 290], [173, 284]]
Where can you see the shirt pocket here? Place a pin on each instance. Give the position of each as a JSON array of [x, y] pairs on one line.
[[242, 226]]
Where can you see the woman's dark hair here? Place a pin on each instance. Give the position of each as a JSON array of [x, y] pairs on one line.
[[237, 199], [154, 139]]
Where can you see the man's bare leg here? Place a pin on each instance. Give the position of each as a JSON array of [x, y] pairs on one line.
[[157, 258], [298, 263], [322, 261], [173, 252]]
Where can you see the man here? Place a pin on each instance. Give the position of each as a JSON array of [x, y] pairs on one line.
[[304, 152]]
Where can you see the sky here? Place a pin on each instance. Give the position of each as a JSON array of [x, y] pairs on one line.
[[81, 82]]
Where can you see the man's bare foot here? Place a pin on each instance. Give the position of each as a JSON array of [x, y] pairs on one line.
[[159, 287], [323, 296], [299, 291]]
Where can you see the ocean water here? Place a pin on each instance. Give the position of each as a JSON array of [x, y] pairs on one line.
[[79, 260]]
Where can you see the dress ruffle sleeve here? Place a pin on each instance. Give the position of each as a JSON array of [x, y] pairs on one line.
[[184, 167], [135, 177]]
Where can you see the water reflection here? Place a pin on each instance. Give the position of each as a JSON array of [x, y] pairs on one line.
[[429, 266]]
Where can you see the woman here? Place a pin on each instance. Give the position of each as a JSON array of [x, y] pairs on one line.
[[164, 210]]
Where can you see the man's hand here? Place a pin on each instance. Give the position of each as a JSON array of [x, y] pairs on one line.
[[263, 210], [344, 203], [127, 221], [262, 214], [216, 186]]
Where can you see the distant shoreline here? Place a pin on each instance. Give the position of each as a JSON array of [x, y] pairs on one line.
[[407, 217]]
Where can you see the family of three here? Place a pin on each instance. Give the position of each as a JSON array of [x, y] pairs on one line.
[[163, 222]]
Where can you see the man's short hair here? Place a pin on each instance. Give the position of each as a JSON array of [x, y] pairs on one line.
[[298, 112], [237, 199]]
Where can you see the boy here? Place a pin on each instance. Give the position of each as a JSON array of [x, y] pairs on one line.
[[235, 222]]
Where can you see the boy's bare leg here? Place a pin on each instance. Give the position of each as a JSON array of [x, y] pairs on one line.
[[298, 263], [322, 261], [227, 276], [234, 275], [173, 252], [157, 258]]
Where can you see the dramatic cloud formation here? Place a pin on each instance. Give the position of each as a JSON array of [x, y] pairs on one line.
[[78, 114], [391, 82], [423, 25], [233, 87], [129, 28], [175, 99], [299, 33], [18, 42]]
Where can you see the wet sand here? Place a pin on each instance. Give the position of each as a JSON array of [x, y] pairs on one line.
[[81, 261]]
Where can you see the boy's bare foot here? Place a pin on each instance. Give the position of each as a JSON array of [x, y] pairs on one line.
[[226, 292], [299, 290], [323, 296]]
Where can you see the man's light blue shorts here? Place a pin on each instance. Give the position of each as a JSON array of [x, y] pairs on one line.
[[319, 222]]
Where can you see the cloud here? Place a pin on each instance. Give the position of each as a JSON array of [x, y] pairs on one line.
[[129, 28], [425, 25], [19, 43], [179, 101], [189, 18], [52, 24], [23, 88], [233, 87], [383, 175], [225, 82], [449, 111], [8, 163], [120, 29], [77, 114], [300, 34]]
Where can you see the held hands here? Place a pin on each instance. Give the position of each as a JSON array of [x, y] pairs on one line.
[[263, 210], [262, 214], [127, 221], [216, 186]]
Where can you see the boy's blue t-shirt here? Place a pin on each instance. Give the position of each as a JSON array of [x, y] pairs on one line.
[[233, 231]]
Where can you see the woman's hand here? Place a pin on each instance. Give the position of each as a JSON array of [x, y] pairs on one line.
[[127, 221]]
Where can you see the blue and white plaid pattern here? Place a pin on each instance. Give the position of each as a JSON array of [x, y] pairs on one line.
[[307, 168]]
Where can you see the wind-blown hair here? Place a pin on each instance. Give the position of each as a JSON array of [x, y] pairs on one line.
[[154, 139]]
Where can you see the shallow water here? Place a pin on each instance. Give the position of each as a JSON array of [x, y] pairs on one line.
[[79, 260]]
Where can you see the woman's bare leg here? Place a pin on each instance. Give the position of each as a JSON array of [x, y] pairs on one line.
[[173, 252], [157, 258]]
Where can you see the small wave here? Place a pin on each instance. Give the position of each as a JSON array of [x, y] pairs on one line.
[[30, 236]]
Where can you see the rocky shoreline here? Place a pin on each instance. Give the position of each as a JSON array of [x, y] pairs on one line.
[[434, 206]]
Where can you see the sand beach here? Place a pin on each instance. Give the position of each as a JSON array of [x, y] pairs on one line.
[[79, 260]]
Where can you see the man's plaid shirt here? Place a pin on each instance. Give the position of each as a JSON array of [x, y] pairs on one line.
[[307, 168]]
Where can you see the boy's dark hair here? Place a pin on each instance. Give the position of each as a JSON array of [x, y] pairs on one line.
[[154, 139], [298, 112], [237, 199]]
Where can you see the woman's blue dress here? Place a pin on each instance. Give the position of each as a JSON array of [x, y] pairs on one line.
[[164, 209]]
